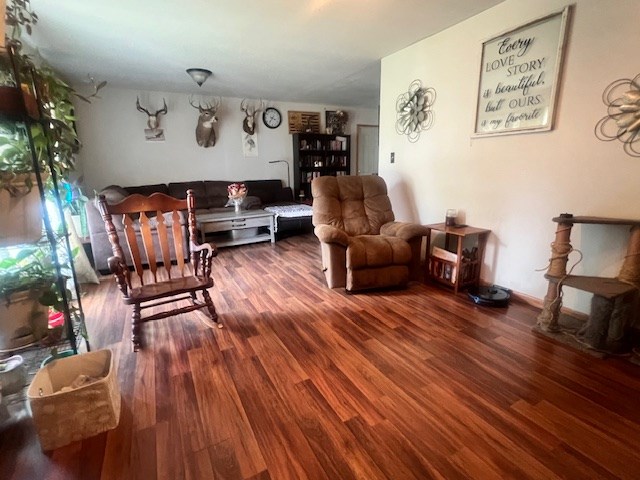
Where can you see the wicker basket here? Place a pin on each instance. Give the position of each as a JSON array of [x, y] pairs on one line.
[[62, 417]]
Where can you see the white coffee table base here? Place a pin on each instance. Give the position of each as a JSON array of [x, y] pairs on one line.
[[237, 228]]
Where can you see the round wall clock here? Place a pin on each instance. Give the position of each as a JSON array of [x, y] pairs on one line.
[[414, 110], [272, 117]]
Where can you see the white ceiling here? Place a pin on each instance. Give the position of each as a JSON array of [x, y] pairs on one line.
[[311, 51]]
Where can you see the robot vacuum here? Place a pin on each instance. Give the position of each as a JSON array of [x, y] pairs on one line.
[[491, 296]]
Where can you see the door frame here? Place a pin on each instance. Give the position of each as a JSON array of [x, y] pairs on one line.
[[358, 143]]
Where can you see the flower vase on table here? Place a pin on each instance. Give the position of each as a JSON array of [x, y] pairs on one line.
[[237, 204], [237, 193]]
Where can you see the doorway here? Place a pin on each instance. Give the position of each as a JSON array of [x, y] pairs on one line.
[[367, 150]]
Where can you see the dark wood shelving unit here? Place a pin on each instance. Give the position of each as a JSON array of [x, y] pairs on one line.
[[316, 155]]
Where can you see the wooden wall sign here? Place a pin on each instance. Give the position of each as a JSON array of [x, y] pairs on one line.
[[519, 77], [301, 122]]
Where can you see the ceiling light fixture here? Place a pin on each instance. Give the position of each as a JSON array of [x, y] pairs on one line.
[[199, 75]]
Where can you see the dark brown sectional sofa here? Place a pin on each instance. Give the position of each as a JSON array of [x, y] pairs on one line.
[[211, 195]]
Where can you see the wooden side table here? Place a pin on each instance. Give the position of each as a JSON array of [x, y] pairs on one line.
[[453, 268]]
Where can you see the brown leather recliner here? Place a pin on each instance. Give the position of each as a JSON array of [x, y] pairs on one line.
[[362, 246]]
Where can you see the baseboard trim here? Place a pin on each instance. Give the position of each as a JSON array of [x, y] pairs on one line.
[[538, 303]]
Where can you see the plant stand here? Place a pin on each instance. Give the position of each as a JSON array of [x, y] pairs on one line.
[[29, 114]]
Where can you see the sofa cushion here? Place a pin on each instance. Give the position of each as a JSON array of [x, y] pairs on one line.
[[217, 188], [269, 191], [113, 194], [251, 202], [216, 191], [147, 190], [367, 251], [179, 190]]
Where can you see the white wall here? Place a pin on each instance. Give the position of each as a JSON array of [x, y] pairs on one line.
[[514, 185], [115, 151]]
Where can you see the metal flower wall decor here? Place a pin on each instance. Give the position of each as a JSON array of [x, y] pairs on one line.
[[622, 122], [414, 110]]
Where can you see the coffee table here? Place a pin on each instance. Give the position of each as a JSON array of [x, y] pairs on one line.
[[237, 228]]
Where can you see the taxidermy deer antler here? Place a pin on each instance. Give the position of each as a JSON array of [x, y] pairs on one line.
[[153, 120], [250, 110]]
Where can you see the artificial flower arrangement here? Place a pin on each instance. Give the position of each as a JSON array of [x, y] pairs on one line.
[[237, 191]]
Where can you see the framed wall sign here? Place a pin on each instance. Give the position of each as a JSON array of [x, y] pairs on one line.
[[300, 122], [519, 77]]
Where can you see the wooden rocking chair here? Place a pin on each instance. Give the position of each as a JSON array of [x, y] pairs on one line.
[[140, 226]]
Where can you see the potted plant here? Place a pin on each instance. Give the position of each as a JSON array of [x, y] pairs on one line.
[[27, 289], [20, 206]]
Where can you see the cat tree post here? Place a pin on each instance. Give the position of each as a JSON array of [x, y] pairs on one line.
[[560, 249], [615, 303], [630, 270]]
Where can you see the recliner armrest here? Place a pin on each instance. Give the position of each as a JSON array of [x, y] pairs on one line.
[[404, 230], [330, 234]]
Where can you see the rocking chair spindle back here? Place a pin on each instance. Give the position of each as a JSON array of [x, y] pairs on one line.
[[148, 221]]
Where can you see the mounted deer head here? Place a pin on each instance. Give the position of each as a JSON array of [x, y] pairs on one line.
[[250, 110], [205, 134], [153, 120]]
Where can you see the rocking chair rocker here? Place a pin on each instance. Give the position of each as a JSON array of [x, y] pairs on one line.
[[137, 214]]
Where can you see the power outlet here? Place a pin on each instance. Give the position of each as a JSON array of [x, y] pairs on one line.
[[393, 157]]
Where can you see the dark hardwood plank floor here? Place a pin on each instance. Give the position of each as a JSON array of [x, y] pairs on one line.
[[304, 382]]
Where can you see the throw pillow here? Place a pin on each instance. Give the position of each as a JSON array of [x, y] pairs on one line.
[[113, 194], [248, 202]]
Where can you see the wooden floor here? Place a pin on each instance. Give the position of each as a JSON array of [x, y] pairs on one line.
[[306, 382]]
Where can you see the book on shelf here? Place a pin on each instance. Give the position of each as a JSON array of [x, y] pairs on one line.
[[339, 144], [307, 177]]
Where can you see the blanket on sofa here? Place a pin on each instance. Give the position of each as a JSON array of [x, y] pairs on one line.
[[290, 211]]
